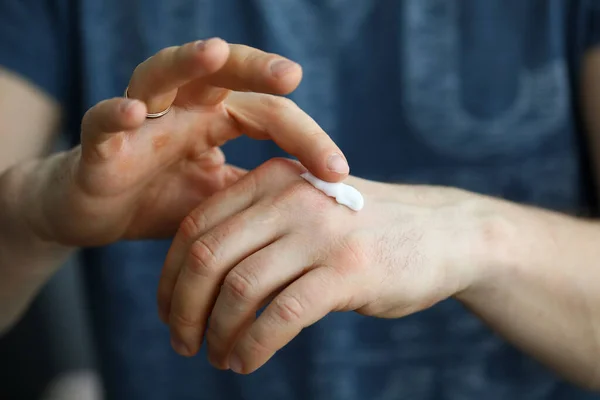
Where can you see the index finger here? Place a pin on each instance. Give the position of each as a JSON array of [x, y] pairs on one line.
[[156, 80], [207, 70], [263, 116], [247, 70]]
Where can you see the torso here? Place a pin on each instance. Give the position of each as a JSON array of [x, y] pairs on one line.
[[469, 94]]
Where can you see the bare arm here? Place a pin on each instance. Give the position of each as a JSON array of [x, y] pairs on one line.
[[72, 199], [538, 287], [544, 289], [26, 133], [533, 275], [29, 120]]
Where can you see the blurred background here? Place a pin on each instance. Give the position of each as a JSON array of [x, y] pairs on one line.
[[49, 355]]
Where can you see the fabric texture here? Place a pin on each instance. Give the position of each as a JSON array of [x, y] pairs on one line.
[[472, 94]]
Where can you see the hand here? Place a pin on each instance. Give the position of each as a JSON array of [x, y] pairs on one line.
[[273, 238], [137, 178]]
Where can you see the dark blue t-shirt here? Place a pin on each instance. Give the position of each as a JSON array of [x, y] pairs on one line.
[[475, 94]]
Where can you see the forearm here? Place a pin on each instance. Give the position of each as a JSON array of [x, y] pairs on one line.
[[26, 260], [540, 287]]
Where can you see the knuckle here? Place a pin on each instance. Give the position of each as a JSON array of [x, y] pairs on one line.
[[324, 226], [188, 228], [297, 192], [219, 331], [272, 213], [165, 53], [248, 57], [182, 321], [104, 151], [277, 166], [314, 202], [193, 225], [105, 106], [95, 115], [184, 59], [351, 255], [87, 122], [317, 134], [256, 345], [202, 261], [277, 162], [142, 72], [155, 75], [289, 309], [267, 58], [277, 104], [153, 69], [241, 286], [307, 193], [301, 199]]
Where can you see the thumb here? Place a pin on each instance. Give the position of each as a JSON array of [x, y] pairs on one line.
[[263, 116], [105, 120]]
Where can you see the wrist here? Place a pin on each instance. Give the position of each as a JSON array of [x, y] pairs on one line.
[[493, 245], [465, 235], [27, 260], [24, 194]]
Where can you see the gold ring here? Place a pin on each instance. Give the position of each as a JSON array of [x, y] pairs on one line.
[[151, 115]]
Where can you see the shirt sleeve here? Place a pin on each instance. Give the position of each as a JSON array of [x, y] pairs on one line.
[[33, 42]]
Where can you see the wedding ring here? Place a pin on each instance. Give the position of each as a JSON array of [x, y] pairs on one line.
[[151, 115]]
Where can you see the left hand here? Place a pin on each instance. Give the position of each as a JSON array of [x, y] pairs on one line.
[[274, 238]]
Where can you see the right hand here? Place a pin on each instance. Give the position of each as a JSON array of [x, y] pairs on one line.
[[134, 178]]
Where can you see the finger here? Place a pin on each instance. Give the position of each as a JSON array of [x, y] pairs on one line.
[[224, 365], [300, 305], [103, 121], [250, 69], [205, 217], [270, 117], [269, 176], [235, 174], [246, 69], [245, 289], [156, 80], [209, 259]]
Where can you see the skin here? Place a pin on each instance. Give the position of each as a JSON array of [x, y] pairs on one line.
[[272, 231], [272, 239], [133, 178], [504, 261]]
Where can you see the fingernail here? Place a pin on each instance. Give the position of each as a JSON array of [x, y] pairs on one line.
[[235, 364], [281, 67], [180, 347], [337, 164], [127, 104]]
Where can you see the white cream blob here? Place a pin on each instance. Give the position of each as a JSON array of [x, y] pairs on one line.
[[344, 194]]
